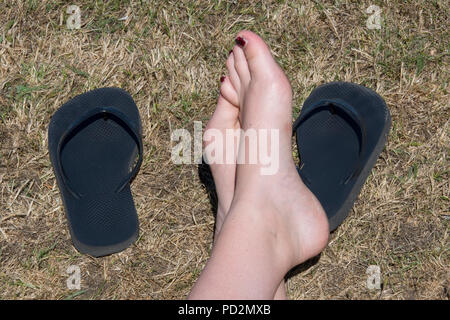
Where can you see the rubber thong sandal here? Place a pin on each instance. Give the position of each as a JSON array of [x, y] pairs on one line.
[[341, 130], [95, 146]]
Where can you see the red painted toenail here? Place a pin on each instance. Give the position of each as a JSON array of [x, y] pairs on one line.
[[240, 42], [222, 79], [231, 51]]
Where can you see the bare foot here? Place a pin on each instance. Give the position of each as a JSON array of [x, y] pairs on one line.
[[226, 118], [290, 210], [274, 221]]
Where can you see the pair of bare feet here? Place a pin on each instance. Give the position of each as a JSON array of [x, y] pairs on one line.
[[266, 224]]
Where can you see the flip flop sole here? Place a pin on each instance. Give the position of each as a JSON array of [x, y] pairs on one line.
[[340, 133], [94, 141]]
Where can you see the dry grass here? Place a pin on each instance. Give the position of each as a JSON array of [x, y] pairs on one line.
[[169, 55]]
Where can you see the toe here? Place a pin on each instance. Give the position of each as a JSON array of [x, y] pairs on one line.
[[228, 92], [256, 51], [241, 66], [233, 75]]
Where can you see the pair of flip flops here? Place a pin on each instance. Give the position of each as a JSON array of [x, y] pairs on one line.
[[95, 146]]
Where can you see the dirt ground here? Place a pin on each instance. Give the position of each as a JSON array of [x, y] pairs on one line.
[[170, 55]]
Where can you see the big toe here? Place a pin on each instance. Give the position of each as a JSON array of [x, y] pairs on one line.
[[257, 53]]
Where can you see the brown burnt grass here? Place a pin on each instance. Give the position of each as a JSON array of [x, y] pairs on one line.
[[170, 55]]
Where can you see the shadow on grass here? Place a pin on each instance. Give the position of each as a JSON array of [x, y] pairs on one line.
[[206, 178]]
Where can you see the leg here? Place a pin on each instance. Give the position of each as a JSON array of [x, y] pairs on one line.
[[226, 117], [274, 222], [247, 261]]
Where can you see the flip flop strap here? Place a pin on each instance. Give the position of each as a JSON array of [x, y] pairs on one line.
[[333, 105], [120, 118]]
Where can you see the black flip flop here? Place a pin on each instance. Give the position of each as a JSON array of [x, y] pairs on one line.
[[95, 146], [341, 130]]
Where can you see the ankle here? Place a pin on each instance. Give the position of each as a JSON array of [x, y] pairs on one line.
[[290, 212], [265, 223]]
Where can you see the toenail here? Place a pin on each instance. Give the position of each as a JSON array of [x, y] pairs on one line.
[[222, 79], [240, 42], [231, 51]]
